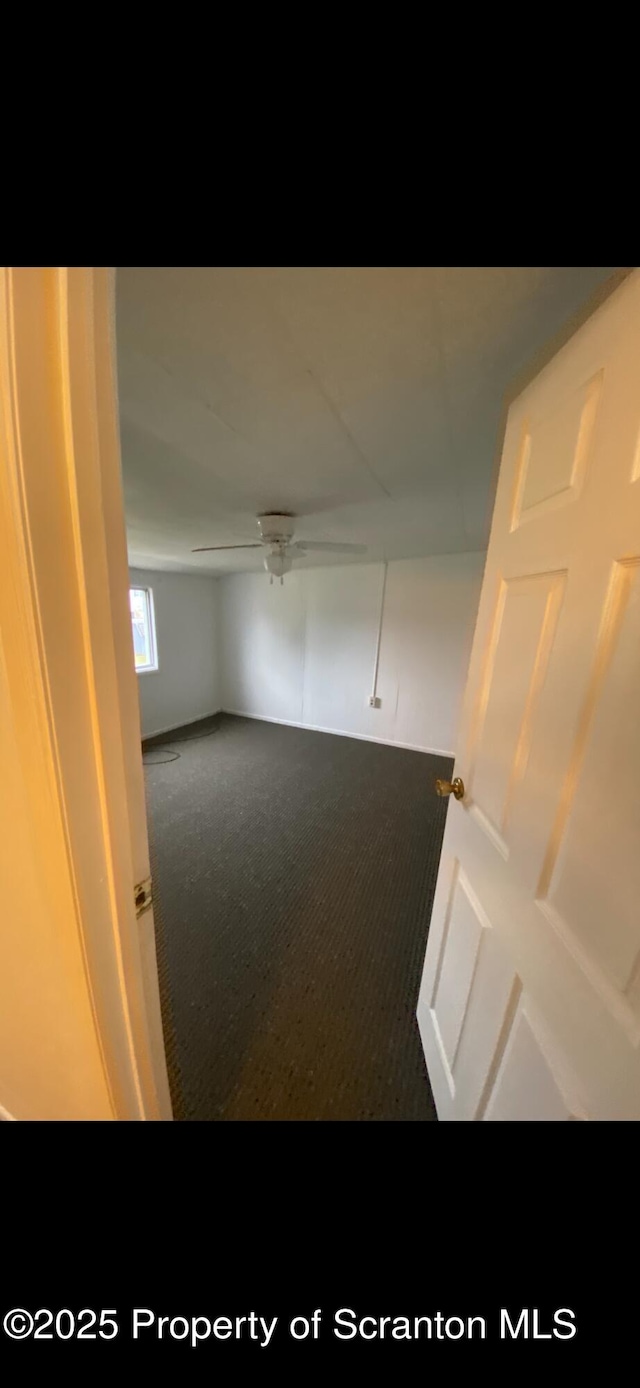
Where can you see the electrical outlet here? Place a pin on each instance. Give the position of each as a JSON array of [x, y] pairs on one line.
[[374, 701]]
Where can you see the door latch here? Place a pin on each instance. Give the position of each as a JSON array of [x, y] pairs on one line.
[[142, 896]]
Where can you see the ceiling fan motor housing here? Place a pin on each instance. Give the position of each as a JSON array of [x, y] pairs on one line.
[[276, 527]]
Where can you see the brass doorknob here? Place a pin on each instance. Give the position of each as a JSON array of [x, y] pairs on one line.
[[454, 787]]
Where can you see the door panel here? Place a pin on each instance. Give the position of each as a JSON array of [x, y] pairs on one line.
[[555, 454], [593, 867], [528, 611], [460, 950], [527, 1086], [529, 1001], [474, 989]]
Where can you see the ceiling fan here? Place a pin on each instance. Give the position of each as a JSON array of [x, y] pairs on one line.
[[276, 538]]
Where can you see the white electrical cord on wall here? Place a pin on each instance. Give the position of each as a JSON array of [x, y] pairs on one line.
[[374, 691]]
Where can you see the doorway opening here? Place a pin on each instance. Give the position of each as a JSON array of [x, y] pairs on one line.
[[309, 470]]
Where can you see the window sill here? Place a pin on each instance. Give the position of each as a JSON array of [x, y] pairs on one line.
[[147, 669]]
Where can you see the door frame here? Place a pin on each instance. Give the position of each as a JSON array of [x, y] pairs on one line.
[[68, 653]]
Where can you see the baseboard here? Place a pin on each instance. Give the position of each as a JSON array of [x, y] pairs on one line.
[[339, 732], [184, 723]]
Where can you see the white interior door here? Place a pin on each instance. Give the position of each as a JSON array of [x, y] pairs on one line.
[[530, 1000]]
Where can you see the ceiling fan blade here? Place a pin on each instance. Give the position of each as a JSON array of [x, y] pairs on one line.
[[329, 547], [208, 549]]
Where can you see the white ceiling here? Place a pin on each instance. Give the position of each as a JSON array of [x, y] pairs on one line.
[[367, 401]]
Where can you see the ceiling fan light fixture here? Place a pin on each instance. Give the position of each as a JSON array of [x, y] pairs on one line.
[[277, 563]]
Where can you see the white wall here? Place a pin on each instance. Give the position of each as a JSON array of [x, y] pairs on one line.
[[305, 652], [186, 686]]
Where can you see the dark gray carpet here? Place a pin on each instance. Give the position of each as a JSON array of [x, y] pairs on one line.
[[293, 878]]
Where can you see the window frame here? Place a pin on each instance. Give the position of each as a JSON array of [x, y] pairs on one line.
[[153, 667]]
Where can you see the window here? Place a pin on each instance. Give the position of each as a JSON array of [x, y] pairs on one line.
[[144, 629]]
